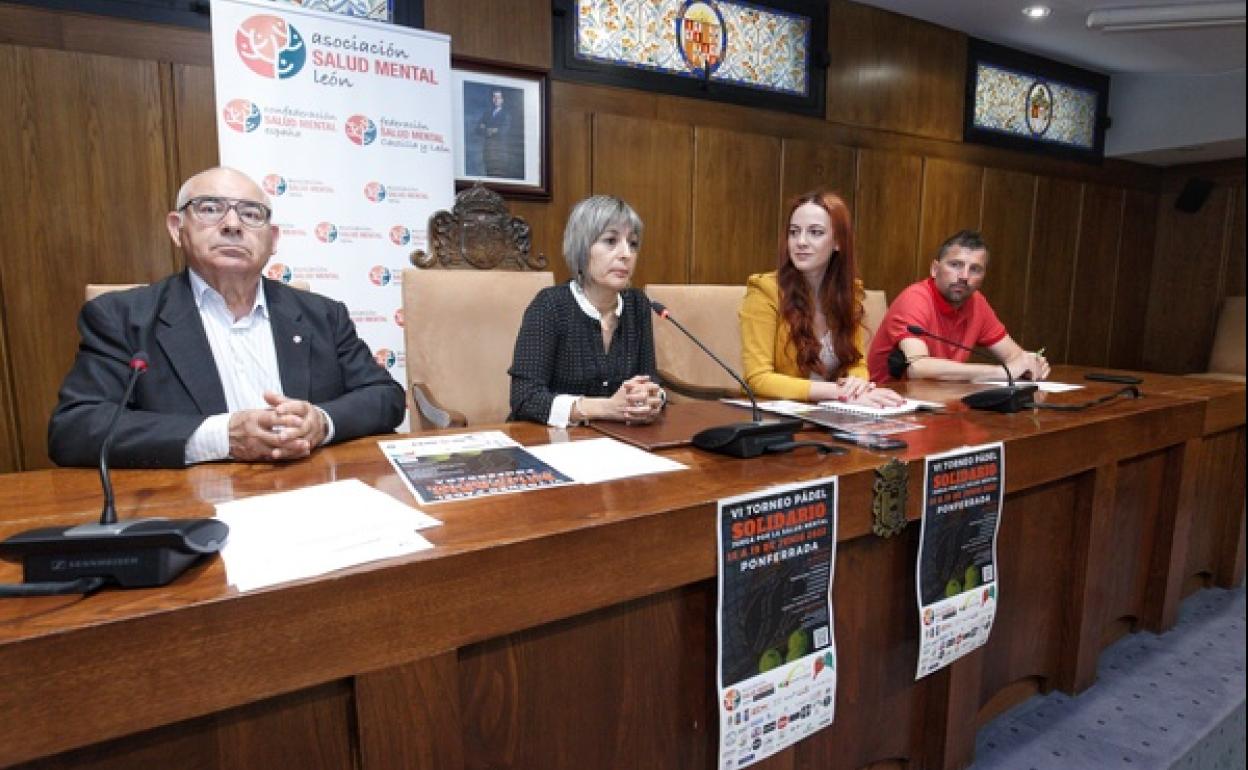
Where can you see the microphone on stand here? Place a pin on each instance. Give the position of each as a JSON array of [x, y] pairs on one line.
[[1008, 400], [739, 439], [133, 554], [138, 365]]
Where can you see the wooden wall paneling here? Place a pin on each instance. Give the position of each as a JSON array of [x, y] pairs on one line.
[[89, 189], [649, 163], [951, 201], [16, 231], [1005, 222], [894, 73], [517, 32], [1233, 285], [1184, 291], [736, 189], [810, 165], [886, 220], [194, 105], [1135, 267], [570, 182], [1091, 312], [89, 33], [1054, 241]]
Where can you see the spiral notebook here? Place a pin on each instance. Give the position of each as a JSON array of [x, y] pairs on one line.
[[910, 405], [846, 417]]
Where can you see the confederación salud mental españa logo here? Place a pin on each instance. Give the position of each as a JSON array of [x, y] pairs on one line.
[[279, 272], [400, 235], [270, 46], [241, 115], [274, 184]]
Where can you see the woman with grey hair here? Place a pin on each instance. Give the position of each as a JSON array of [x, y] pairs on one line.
[[585, 350]]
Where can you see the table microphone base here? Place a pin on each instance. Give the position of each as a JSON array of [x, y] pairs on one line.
[[133, 554], [747, 439], [1006, 400]]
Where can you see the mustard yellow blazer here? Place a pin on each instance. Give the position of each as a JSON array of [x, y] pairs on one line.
[[767, 352]]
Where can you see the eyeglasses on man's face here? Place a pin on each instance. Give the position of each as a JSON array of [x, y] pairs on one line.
[[210, 209]]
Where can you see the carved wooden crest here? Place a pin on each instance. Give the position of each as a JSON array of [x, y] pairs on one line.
[[479, 232], [888, 504]]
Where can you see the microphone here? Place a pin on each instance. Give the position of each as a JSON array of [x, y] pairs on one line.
[[739, 439], [138, 553], [1008, 400], [138, 365]]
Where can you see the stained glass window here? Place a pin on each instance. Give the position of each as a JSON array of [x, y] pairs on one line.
[[729, 42], [1022, 104], [378, 10]]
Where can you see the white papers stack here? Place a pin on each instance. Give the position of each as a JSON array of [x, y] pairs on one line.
[[306, 532], [601, 459]]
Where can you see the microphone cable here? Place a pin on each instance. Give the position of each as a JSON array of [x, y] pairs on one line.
[[83, 585], [1130, 392]]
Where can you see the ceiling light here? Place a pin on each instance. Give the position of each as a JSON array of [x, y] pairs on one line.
[[1157, 17], [1037, 11]]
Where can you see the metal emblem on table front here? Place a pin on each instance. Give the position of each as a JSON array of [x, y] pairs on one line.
[[888, 503]]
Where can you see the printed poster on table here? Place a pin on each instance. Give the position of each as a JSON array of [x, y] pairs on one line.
[[346, 124], [777, 651], [441, 468], [956, 574]]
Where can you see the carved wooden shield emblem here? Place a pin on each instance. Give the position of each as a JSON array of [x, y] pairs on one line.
[[478, 233]]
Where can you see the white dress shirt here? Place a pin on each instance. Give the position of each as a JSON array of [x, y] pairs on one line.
[[246, 361]]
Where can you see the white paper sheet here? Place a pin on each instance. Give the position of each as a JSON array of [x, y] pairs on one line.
[[602, 459], [305, 532]]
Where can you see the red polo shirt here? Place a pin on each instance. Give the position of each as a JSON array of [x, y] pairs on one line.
[[974, 325]]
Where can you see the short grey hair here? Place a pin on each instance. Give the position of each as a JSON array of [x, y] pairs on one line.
[[184, 192], [589, 219]]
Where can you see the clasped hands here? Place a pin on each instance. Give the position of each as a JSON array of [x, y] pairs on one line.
[[638, 400], [855, 390], [288, 430]]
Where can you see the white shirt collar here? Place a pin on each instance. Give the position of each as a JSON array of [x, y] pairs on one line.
[[588, 307], [202, 291]]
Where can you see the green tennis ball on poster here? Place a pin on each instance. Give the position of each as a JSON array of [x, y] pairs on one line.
[[799, 645], [770, 659], [971, 578], [952, 588]]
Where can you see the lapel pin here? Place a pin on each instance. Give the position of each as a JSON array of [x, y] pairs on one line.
[[297, 339]]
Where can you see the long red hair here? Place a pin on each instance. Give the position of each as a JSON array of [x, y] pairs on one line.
[[838, 294]]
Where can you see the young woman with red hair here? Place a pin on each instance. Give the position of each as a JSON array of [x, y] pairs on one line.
[[802, 337]]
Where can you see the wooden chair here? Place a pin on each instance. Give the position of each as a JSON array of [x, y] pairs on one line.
[[711, 313], [1226, 359], [96, 289], [874, 306], [462, 307]]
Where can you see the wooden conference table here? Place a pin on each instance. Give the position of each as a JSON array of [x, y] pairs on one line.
[[574, 628]]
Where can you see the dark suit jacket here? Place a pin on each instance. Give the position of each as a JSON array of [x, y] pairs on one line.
[[319, 357]]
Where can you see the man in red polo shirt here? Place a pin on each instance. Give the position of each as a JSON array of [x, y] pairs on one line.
[[948, 304]]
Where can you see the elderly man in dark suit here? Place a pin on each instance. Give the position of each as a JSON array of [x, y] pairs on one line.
[[241, 367]]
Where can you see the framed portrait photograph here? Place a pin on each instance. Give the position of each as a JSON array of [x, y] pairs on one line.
[[501, 128]]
